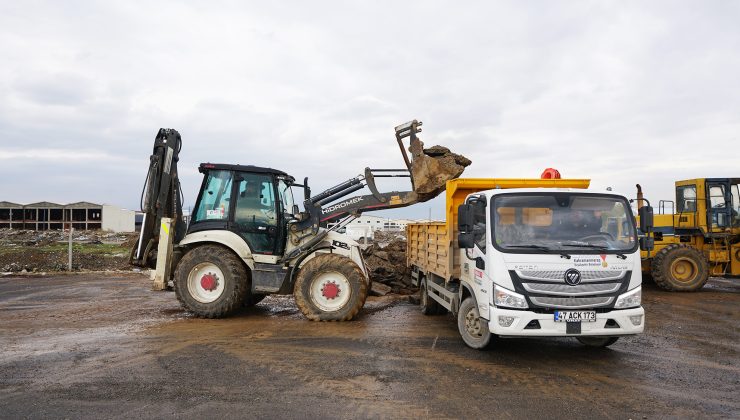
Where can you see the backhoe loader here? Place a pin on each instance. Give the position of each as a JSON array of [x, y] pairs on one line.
[[247, 238]]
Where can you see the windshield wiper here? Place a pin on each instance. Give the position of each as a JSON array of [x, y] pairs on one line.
[[541, 247], [577, 244]]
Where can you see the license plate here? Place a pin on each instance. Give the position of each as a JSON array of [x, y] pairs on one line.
[[575, 316]]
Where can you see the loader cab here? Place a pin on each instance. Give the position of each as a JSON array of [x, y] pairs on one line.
[[251, 201], [709, 204]]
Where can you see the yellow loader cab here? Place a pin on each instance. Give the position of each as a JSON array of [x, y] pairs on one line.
[[696, 236]]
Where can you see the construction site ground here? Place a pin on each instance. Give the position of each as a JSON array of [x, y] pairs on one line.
[[105, 346]]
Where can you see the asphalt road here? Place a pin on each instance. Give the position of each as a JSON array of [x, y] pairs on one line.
[[105, 346]]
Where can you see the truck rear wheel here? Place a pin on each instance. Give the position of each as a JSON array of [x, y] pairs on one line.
[[211, 281], [330, 287], [428, 305], [597, 341], [473, 329], [680, 268]]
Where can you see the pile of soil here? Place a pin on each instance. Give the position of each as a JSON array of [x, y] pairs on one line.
[[386, 262]]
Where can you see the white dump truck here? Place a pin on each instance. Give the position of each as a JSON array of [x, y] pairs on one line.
[[532, 257]]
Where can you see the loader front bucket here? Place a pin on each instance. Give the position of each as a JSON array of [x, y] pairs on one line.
[[430, 168]]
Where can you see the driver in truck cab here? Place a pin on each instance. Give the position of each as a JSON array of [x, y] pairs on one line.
[[579, 223]]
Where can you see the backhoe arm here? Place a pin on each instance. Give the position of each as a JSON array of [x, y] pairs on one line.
[[161, 197]]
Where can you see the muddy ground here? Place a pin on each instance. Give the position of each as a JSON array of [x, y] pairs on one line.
[[105, 346]]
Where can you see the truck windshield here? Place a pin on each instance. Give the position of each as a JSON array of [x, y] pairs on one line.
[[558, 222]]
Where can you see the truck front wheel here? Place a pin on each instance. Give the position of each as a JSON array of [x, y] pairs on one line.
[[210, 281], [473, 329], [330, 287]]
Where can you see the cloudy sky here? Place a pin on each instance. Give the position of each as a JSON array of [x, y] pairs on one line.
[[619, 92]]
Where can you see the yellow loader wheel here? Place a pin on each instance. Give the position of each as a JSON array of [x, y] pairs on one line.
[[680, 268]]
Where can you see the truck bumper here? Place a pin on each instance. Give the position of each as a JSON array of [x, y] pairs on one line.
[[624, 319]]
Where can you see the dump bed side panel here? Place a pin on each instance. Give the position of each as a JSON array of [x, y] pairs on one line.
[[428, 247]]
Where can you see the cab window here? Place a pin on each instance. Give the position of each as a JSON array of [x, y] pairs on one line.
[[479, 223], [286, 196], [255, 202], [215, 201], [686, 199]]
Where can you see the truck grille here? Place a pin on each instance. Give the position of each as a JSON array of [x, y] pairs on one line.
[[548, 290], [566, 290], [571, 302], [557, 275]]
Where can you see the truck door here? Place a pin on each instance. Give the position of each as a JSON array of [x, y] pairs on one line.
[[256, 215], [480, 269]]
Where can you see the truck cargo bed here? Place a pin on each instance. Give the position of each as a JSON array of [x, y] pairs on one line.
[[429, 248]]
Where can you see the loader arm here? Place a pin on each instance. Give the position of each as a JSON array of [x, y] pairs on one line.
[[161, 197], [326, 205]]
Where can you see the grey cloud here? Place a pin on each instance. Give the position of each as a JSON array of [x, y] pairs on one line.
[[615, 91]]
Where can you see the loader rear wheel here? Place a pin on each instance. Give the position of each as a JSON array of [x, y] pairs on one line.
[[473, 329], [680, 268], [330, 287], [211, 281]]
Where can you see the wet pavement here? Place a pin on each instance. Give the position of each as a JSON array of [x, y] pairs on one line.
[[105, 346]]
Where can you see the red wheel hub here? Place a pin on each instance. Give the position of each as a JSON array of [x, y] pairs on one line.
[[330, 290], [209, 282]]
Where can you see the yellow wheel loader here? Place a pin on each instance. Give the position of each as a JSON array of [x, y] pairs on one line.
[[696, 236]]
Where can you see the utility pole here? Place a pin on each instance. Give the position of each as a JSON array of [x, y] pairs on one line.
[[69, 262]]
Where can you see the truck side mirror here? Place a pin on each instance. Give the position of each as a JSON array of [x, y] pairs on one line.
[[465, 219], [465, 240], [646, 218]]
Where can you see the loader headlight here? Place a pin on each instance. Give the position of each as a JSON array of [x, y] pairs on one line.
[[508, 299], [631, 299]]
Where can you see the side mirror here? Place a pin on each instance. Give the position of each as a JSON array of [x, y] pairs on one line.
[[465, 240], [306, 189], [465, 219], [646, 218], [647, 244]]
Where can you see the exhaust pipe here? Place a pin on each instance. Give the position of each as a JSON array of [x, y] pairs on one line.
[[640, 198]]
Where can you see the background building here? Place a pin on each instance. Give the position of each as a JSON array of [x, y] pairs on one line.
[[82, 215], [365, 226]]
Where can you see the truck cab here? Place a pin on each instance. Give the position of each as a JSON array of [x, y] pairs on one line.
[[526, 262], [552, 263]]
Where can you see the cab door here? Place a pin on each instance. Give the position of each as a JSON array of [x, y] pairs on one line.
[[719, 205], [256, 212]]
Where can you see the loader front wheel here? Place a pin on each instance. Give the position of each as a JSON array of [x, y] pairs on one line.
[[211, 281], [680, 268], [330, 287]]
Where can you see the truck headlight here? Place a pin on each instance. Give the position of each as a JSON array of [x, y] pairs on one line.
[[507, 298], [631, 299]]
